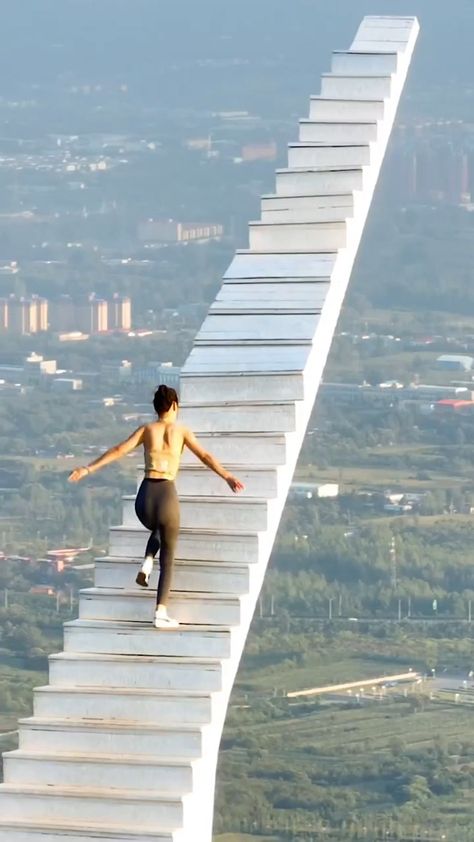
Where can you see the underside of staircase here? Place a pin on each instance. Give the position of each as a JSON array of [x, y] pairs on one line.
[[123, 741]]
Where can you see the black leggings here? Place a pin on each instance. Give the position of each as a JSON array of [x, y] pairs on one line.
[[157, 508]]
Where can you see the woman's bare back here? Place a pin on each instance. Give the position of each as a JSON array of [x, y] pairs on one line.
[[163, 444]]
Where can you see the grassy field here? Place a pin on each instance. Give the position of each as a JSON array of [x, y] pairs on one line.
[[319, 671], [243, 837], [341, 751], [346, 746], [352, 478]]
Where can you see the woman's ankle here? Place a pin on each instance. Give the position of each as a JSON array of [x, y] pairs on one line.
[[147, 565]]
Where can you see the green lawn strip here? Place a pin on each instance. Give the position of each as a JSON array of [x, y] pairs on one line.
[[61, 464], [243, 837], [368, 730], [320, 672], [397, 479]]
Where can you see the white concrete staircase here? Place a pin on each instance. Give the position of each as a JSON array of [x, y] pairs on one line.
[[123, 742]]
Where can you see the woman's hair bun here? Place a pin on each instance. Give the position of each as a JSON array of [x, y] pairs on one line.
[[164, 399]]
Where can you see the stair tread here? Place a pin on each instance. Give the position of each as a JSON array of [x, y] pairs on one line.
[[144, 593], [137, 759], [99, 690], [81, 791], [326, 223], [321, 98], [347, 168], [332, 75], [197, 466], [216, 498], [237, 404], [187, 530], [130, 560], [345, 122], [137, 626], [108, 831], [326, 255], [141, 659], [319, 144], [108, 725]]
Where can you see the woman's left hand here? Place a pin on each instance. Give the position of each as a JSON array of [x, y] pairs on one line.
[[78, 474]]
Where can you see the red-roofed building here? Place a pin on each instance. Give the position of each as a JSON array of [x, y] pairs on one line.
[[452, 405]]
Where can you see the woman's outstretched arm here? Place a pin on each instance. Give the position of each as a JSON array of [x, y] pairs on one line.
[[210, 461], [111, 455]]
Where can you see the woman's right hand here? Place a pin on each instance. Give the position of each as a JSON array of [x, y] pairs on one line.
[[234, 484], [78, 474]]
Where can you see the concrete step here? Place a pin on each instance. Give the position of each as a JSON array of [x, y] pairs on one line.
[[261, 417], [107, 771], [319, 155], [341, 86], [382, 45], [111, 737], [259, 480], [207, 577], [269, 327], [52, 831], [328, 203], [248, 359], [287, 297], [264, 449], [306, 213], [105, 637], [246, 387], [193, 544], [346, 110], [139, 606], [297, 236], [149, 810], [77, 669], [238, 512], [351, 62], [306, 182], [165, 706], [335, 132], [248, 265]]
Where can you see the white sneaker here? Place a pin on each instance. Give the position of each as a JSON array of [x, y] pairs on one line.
[[165, 622]]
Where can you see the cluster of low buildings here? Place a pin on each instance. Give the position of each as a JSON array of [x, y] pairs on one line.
[[34, 371], [169, 231], [426, 397]]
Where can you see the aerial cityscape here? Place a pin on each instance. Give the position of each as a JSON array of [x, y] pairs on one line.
[[138, 153]]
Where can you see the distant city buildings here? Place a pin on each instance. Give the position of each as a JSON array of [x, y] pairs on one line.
[[37, 371], [455, 362], [22, 315], [432, 163], [156, 374], [259, 151], [172, 231], [92, 316], [120, 313], [394, 394]]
